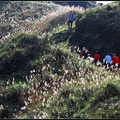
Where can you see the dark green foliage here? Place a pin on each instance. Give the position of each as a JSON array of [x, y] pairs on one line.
[[109, 91], [22, 49]]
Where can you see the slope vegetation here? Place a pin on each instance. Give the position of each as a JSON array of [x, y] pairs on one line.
[[42, 76]]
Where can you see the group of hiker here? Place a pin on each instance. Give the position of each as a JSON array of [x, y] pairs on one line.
[[107, 61]]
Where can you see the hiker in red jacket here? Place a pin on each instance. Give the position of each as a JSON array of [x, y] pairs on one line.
[[96, 57], [115, 60]]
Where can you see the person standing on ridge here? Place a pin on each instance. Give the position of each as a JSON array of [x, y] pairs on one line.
[[70, 19]]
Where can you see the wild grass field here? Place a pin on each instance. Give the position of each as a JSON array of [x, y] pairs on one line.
[[42, 76]]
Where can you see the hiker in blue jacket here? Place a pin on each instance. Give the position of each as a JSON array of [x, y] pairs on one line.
[[108, 61], [70, 19]]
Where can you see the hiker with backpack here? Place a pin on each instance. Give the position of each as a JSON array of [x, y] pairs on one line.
[[85, 52], [96, 57], [107, 61], [115, 61], [70, 19]]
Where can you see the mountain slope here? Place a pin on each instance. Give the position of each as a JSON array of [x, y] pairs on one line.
[[42, 76]]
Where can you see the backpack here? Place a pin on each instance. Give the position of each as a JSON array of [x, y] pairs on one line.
[[87, 51]]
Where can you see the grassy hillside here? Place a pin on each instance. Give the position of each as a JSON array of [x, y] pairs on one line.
[[53, 76], [19, 16], [42, 76]]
